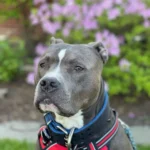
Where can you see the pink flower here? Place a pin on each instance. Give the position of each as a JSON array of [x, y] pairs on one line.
[[50, 27], [44, 12], [118, 2], [106, 33], [30, 78], [145, 13], [110, 40], [66, 30], [113, 45], [131, 115], [106, 4], [89, 24], [36, 61], [146, 23], [98, 36], [57, 9], [113, 13], [72, 9], [92, 11], [70, 2], [98, 9], [45, 16], [40, 49], [35, 2], [84, 9], [121, 39], [135, 6], [44, 7], [34, 19], [114, 51], [124, 64]]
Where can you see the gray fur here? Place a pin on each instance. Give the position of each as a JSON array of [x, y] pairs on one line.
[[69, 98]]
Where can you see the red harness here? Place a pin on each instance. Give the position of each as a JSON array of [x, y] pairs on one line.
[[100, 144]]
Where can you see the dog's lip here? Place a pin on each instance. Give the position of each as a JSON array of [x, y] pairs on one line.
[[46, 101], [44, 107]]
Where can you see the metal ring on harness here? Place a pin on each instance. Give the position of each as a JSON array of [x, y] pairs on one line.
[[62, 129], [68, 139]]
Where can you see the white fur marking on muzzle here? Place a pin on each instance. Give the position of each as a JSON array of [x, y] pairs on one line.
[[61, 55]]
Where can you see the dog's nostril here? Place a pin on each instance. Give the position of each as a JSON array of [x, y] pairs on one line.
[[49, 84], [43, 83], [53, 84]]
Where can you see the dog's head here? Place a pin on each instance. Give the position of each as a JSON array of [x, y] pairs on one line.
[[68, 77]]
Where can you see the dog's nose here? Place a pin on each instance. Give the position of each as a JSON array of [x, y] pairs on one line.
[[49, 84]]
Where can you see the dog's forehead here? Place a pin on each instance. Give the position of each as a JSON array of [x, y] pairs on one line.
[[72, 50]]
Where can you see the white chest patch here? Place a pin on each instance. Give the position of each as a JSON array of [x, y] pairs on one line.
[[70, 122]]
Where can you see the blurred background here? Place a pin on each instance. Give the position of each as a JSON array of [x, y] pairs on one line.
[[26, 27]]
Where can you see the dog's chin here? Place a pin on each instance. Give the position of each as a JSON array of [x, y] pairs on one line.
[[45, 106], [48, 108]]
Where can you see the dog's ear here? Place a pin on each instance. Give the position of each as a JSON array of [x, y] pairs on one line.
[[101, 50], [56, 41]]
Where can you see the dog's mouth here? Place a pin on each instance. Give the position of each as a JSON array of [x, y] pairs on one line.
[[45, 106]]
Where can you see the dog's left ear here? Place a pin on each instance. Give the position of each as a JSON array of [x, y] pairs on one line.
[[101, 50], [56, 41]]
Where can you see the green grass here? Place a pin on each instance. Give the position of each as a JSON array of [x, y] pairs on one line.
[[16, 145], [143, 147]]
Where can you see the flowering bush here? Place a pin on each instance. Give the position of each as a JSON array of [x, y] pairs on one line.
[[123, 27]]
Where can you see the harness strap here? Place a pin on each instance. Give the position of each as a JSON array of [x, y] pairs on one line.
[[99, 144], [108, 136], [128, 133]]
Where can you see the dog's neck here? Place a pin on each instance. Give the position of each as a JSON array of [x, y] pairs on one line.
[[83, 117], [93, 110]]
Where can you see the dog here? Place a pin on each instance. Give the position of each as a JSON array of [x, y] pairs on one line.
[[69, 85]]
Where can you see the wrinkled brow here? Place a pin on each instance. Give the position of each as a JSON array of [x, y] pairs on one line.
[[48, 58]]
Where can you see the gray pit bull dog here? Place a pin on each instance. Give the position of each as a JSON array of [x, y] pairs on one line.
[[70, 86]]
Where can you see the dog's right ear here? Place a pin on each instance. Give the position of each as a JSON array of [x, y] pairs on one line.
[[101, 50], [56, 41]]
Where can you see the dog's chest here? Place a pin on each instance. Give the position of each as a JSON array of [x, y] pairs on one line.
[[70, 122]]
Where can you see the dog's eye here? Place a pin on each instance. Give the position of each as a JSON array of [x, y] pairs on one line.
[[78, 68], [42, 65]]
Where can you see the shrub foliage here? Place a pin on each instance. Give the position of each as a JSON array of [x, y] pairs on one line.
[[11, 59], [123, 27]]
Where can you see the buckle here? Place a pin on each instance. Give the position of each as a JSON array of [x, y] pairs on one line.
[[45, 136], [68, 137]]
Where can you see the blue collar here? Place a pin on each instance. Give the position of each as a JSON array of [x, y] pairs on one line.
[[52, 124]]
